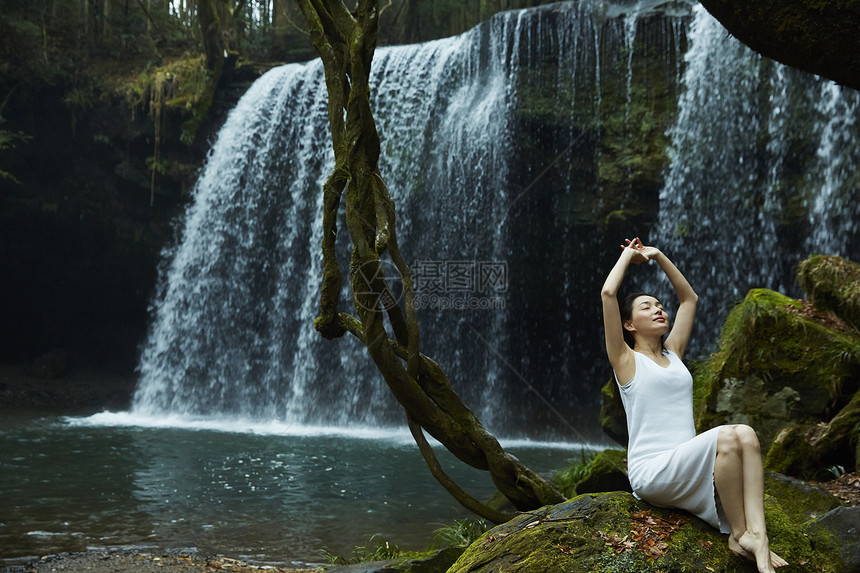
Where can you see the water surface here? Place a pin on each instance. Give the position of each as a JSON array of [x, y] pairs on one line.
[[261, 492]]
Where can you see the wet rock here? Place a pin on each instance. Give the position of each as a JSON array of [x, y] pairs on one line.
[[613, 420], [844, 524], [801, 500], [434, 562], [809, 450], [616, 532], [607, 471]]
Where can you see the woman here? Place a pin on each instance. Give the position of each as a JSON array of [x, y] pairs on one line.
[[716, 475]]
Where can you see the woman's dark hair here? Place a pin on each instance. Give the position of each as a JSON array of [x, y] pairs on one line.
[[626, 308]]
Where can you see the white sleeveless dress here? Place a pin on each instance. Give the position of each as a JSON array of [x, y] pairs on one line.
[[668, 464]]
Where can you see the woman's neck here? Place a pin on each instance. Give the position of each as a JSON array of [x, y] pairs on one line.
[[652, 347]]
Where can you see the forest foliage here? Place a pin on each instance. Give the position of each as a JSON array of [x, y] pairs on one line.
[[91, 51]]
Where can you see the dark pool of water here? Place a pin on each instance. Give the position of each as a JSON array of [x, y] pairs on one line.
[[264, 493]]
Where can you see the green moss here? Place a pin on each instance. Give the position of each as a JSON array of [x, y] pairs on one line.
[[789, 450], [613, 420], [181, 85], [775, 367], [800, 501], [760, 308], [585, 533], [824, 541], [567, 478], [594, 472], [705, 382], [389, 556], [809, 450], [788, 539], [832, 284], [607, 471]]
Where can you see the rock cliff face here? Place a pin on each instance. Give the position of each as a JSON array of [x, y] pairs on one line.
[[813, 35], [81, 233]]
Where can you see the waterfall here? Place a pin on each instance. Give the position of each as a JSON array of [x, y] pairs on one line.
[[763, 173], [833, 204], [516, 154]]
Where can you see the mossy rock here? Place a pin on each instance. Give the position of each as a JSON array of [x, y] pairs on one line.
[[613, 419], [808, 450], [776, 367], [427, 562], [832, 284], [610, 532], [801, 501], [599, 472], [837, 530], [606, 472]]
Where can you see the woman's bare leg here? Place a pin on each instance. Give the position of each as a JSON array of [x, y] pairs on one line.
[[739, 479]]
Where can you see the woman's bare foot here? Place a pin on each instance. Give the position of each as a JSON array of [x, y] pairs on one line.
[[737, 548], [775, 559]]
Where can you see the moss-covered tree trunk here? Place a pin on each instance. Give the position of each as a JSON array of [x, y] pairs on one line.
[[219, 29], [346, 42]]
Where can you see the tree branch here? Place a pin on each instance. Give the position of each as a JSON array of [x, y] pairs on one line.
[[151, 21], [335, 18], [463, 498], [346, 44], [326, 323]]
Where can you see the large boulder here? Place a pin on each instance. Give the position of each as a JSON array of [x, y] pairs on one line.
[[616, 532], [811, 450], [817, 36], [612, 417], [832, 284], [780, 363], [802, 502], [606, 471], [842, 524]]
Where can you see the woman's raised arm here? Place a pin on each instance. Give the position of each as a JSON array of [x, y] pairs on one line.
[[620, 355], [687, 298]]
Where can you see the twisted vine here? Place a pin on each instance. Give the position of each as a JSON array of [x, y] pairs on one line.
[[346, 42]]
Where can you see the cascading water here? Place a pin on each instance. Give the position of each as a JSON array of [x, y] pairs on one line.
[[232, 324], [763, 173], [515, 153], [232, 333], [833, 204]]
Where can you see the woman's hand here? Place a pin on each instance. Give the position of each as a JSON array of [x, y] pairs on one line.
[[642, 253]]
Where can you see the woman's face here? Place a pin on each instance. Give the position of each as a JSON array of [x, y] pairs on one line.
[[648, 317]]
